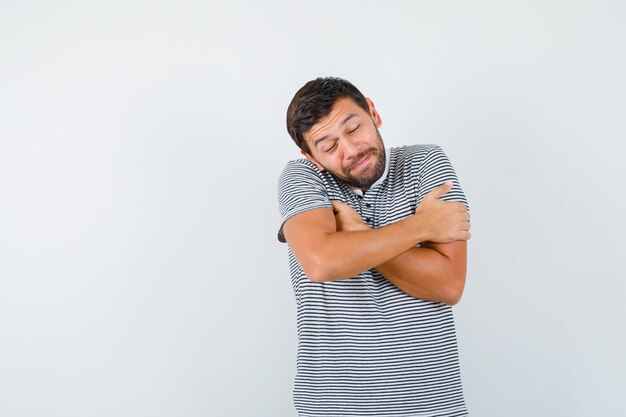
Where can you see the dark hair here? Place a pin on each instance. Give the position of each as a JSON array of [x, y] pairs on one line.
[[314, 101]]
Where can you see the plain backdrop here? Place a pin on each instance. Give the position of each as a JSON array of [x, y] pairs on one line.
[[140, 146]]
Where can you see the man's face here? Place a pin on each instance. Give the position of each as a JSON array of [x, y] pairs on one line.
[[347, 144]]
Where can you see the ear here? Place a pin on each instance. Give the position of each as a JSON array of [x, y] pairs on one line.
[[313, 160], [378, 121]]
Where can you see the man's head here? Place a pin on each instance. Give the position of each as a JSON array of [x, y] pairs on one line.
[[336, 128]]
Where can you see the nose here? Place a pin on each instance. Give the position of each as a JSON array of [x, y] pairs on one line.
[[351, 149]]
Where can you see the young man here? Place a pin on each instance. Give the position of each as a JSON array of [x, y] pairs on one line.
[[377, 254]]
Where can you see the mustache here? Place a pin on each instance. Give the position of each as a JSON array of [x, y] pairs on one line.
[[359, 157]]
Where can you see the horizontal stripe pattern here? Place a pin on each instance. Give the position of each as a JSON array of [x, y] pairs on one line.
[[364, 347]]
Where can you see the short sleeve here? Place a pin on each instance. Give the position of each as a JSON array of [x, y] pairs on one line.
[[435, 170], [300, 188]]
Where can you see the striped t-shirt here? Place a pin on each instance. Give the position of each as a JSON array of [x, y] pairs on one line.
[[365, 348]]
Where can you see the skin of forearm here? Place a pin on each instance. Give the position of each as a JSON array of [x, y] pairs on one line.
[[345, 254], [427, 274], [337, 244]]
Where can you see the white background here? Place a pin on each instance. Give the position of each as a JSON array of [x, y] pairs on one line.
[[141, 142]]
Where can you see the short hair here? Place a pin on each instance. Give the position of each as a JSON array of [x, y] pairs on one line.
[[314, 101]]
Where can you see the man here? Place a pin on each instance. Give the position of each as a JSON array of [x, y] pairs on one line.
[[376, 258]]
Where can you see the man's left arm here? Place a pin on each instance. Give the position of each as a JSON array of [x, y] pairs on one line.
[[432, 272]]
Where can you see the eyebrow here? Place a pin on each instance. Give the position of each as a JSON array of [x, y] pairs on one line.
[[348, 117]]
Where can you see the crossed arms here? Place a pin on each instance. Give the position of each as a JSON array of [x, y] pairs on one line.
[[337, 244]]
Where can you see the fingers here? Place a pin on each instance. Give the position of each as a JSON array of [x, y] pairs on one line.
[[464, 230], [440, 191], [466, 216], [338, 206], [466, 224], [467, 235], [462, 213]]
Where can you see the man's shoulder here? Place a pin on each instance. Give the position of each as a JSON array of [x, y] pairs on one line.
[[301, 165], [416, 150], [300, 173], [413, 155]]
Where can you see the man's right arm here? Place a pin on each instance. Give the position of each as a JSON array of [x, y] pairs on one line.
[[326, 254]]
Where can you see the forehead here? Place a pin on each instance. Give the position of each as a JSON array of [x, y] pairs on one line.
[[342, 109]]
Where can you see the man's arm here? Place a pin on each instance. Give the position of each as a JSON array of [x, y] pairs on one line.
[[433, 272], [326, 253]]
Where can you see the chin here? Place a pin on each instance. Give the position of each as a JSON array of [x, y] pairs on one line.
[[371, 174], [364, 181]]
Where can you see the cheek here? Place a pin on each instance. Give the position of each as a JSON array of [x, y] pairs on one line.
[[368, 139], [335, 163]]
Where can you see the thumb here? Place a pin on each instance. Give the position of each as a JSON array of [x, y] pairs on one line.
[[338, 205], [440, 191]]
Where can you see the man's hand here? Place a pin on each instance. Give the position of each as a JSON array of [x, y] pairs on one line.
[[443, 221], [347, 219], [434, 272]]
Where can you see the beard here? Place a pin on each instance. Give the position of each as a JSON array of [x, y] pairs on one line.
[[367, 178]]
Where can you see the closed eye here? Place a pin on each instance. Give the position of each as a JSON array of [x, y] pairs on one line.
[[354, 130], [331, 148]]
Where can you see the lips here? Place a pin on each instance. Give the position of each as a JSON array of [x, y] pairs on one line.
[[361, 163]]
